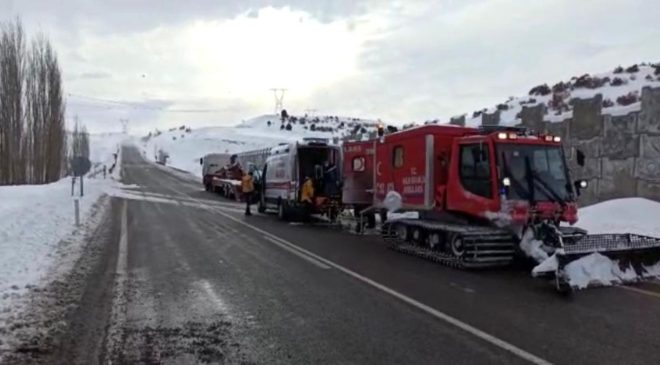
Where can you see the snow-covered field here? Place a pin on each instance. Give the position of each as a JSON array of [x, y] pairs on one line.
[[33, 220], [39, 240], [186, 148]]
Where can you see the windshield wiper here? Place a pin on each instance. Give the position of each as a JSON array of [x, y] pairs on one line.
[[530, 180], [551, 193]]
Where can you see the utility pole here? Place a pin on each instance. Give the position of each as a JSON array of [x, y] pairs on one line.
[[279, 99], [124, 125]]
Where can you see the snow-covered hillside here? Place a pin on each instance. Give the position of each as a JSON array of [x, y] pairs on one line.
[[185, 146], [621, 90]]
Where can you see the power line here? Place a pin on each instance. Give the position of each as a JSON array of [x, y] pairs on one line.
[[118, 104]]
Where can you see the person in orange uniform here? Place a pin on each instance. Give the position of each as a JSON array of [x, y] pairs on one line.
[[307, 194], [247, 187]]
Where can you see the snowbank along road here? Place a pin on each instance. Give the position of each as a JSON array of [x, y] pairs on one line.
[[184, 277]]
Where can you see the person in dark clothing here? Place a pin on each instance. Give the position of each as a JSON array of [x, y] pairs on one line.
[[330, 177]]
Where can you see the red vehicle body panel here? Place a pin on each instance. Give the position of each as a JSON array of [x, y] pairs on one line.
[[358, 166], [422, 164]]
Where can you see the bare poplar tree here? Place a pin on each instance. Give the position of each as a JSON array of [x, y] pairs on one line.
[[55, 124], [46, 137], [12, 67]]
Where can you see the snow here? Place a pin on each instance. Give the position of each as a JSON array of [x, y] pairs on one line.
[[633, 83], [185, 148], [652, 271], [33, 220], [38, 236], [549, 265], [597, 269], [532, 247], [405, 215], [393, 201], [628, 215]]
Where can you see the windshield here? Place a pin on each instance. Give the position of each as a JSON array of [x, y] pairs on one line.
[[542, 167]]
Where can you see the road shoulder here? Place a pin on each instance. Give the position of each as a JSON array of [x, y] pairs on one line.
[[49, 321]]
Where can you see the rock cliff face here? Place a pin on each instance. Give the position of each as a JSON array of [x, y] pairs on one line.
[[613, 118]]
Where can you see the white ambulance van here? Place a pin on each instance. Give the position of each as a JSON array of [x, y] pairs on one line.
[[285, 171]]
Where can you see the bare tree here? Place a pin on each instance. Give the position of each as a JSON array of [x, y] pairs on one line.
[[12, 67], [55, 125], [32, 131], [79, 140]]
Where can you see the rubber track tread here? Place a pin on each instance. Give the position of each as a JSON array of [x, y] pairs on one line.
[[473, 239]]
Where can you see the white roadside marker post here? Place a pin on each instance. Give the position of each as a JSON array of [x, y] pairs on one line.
[[76, 204]]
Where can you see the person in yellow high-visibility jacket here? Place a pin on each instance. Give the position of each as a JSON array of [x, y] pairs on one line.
[[247, 188], [307, 191]]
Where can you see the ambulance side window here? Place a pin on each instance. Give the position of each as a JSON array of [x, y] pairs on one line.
[[397, 156], [475, 169]]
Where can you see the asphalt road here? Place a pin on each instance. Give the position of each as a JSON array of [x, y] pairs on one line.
[[188, 279]]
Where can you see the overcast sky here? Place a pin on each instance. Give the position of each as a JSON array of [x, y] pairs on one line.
[[162, 63]]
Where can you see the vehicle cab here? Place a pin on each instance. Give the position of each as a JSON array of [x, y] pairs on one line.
[[513, 174]]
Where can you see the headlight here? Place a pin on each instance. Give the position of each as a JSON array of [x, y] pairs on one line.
[[584, 184], [506, 181], [556, 139]]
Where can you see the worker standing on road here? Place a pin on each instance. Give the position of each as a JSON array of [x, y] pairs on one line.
[[307, 194], [247, 186], [330, 178]]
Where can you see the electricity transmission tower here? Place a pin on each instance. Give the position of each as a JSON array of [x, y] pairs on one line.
[[279, 99], [124, 125]]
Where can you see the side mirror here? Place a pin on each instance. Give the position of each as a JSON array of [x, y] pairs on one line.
[[579, 157], [580, 185]]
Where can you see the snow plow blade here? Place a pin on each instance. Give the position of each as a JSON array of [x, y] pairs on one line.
[[607, 259]]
